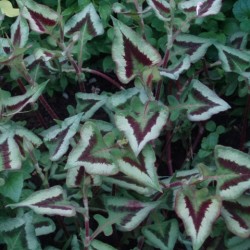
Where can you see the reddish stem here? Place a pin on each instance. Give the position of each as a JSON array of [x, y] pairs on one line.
[[48, 108]]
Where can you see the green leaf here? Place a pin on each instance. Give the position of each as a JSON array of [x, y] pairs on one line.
[[241, 10], [7, 9], [97, 244]]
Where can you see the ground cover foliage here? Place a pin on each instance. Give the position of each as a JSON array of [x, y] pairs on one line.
[[124, 124]]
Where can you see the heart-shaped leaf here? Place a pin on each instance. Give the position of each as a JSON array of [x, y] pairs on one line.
[[161, 8], [128, 213], [131, 53], [40, 17], [86, 19], [58, 138], [204, 102], [233, 168], [48, 201], [142, 125], [198, 212], [193, 46], [19, 32], [92, 153]]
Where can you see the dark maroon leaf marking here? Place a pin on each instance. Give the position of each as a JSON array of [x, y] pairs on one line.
[[232, 58], [6, 50], [61, 207], [198, 216], [141, 133], [131, 52], [190, 47], [138, 164], [42, 224], [41, 21], [190, 9], [19, 140], [176, 68], [233, 166], [59, 139], [205, 6], [160, 6], [18, 105], [127, 219], [126, 208], [47, 202], [4, 150], [235, 181], [17, 36], [237, 42], [85, 21], [79, 176], [236, 210]]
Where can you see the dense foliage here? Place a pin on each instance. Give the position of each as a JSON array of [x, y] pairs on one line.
[[124, 124]]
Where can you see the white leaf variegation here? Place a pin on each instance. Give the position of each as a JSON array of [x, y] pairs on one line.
[[87, 19], [58, 137], [92, 153], [204, 102], [128, 213], [193, 46], [173, 72], [161, 8], [131, 53], [198, 212], [47, 201], [140, 128], [233, 167]]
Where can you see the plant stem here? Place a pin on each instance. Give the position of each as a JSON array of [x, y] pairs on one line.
[[87, 239], [139, 11]]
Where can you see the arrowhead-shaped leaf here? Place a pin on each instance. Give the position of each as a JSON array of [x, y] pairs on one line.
[[142, 125], [92, 153], [19, 32], [40, 17], [161, 8], [174, 71], [201, 8], [237, 217], [233, 168], [88, 20], [193, 46], [204, 102], [58, 137], [233, 60], [131, 53], [129, 213], [162, 235], [198, 212], [140, 169], [48, 201]]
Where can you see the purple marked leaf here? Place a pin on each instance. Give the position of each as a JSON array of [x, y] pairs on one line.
[[40, 17], [75, 176], [239, 40], [128, 213], [48, 201], [140, 169], [204, 103], [233, 168], [173, 72], [88, 20], [19, 32], [161, 8], [58, 138], [237, 218], [198, 212], [43, 225], [92, 153], [193, 46], [131, 53], [233, 60], [140, 128]]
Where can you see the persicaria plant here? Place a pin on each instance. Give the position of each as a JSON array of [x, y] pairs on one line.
[[124, 124]]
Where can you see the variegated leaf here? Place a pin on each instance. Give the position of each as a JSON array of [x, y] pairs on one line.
[[198, 212], [193, 46], [58, 137], [140, 169], [88, 20], [43, 225], [129, 212], [162, 235], [48, 201], [161, 8], [239, 40], [40, 17], [89, 104], [204, 102], [142, 125], [201, 8], [131, 53], [92, 153], [174, 71], [19, 32], [237, 218], [233, 168], [233, 60], [5, 48], [9, 106]]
